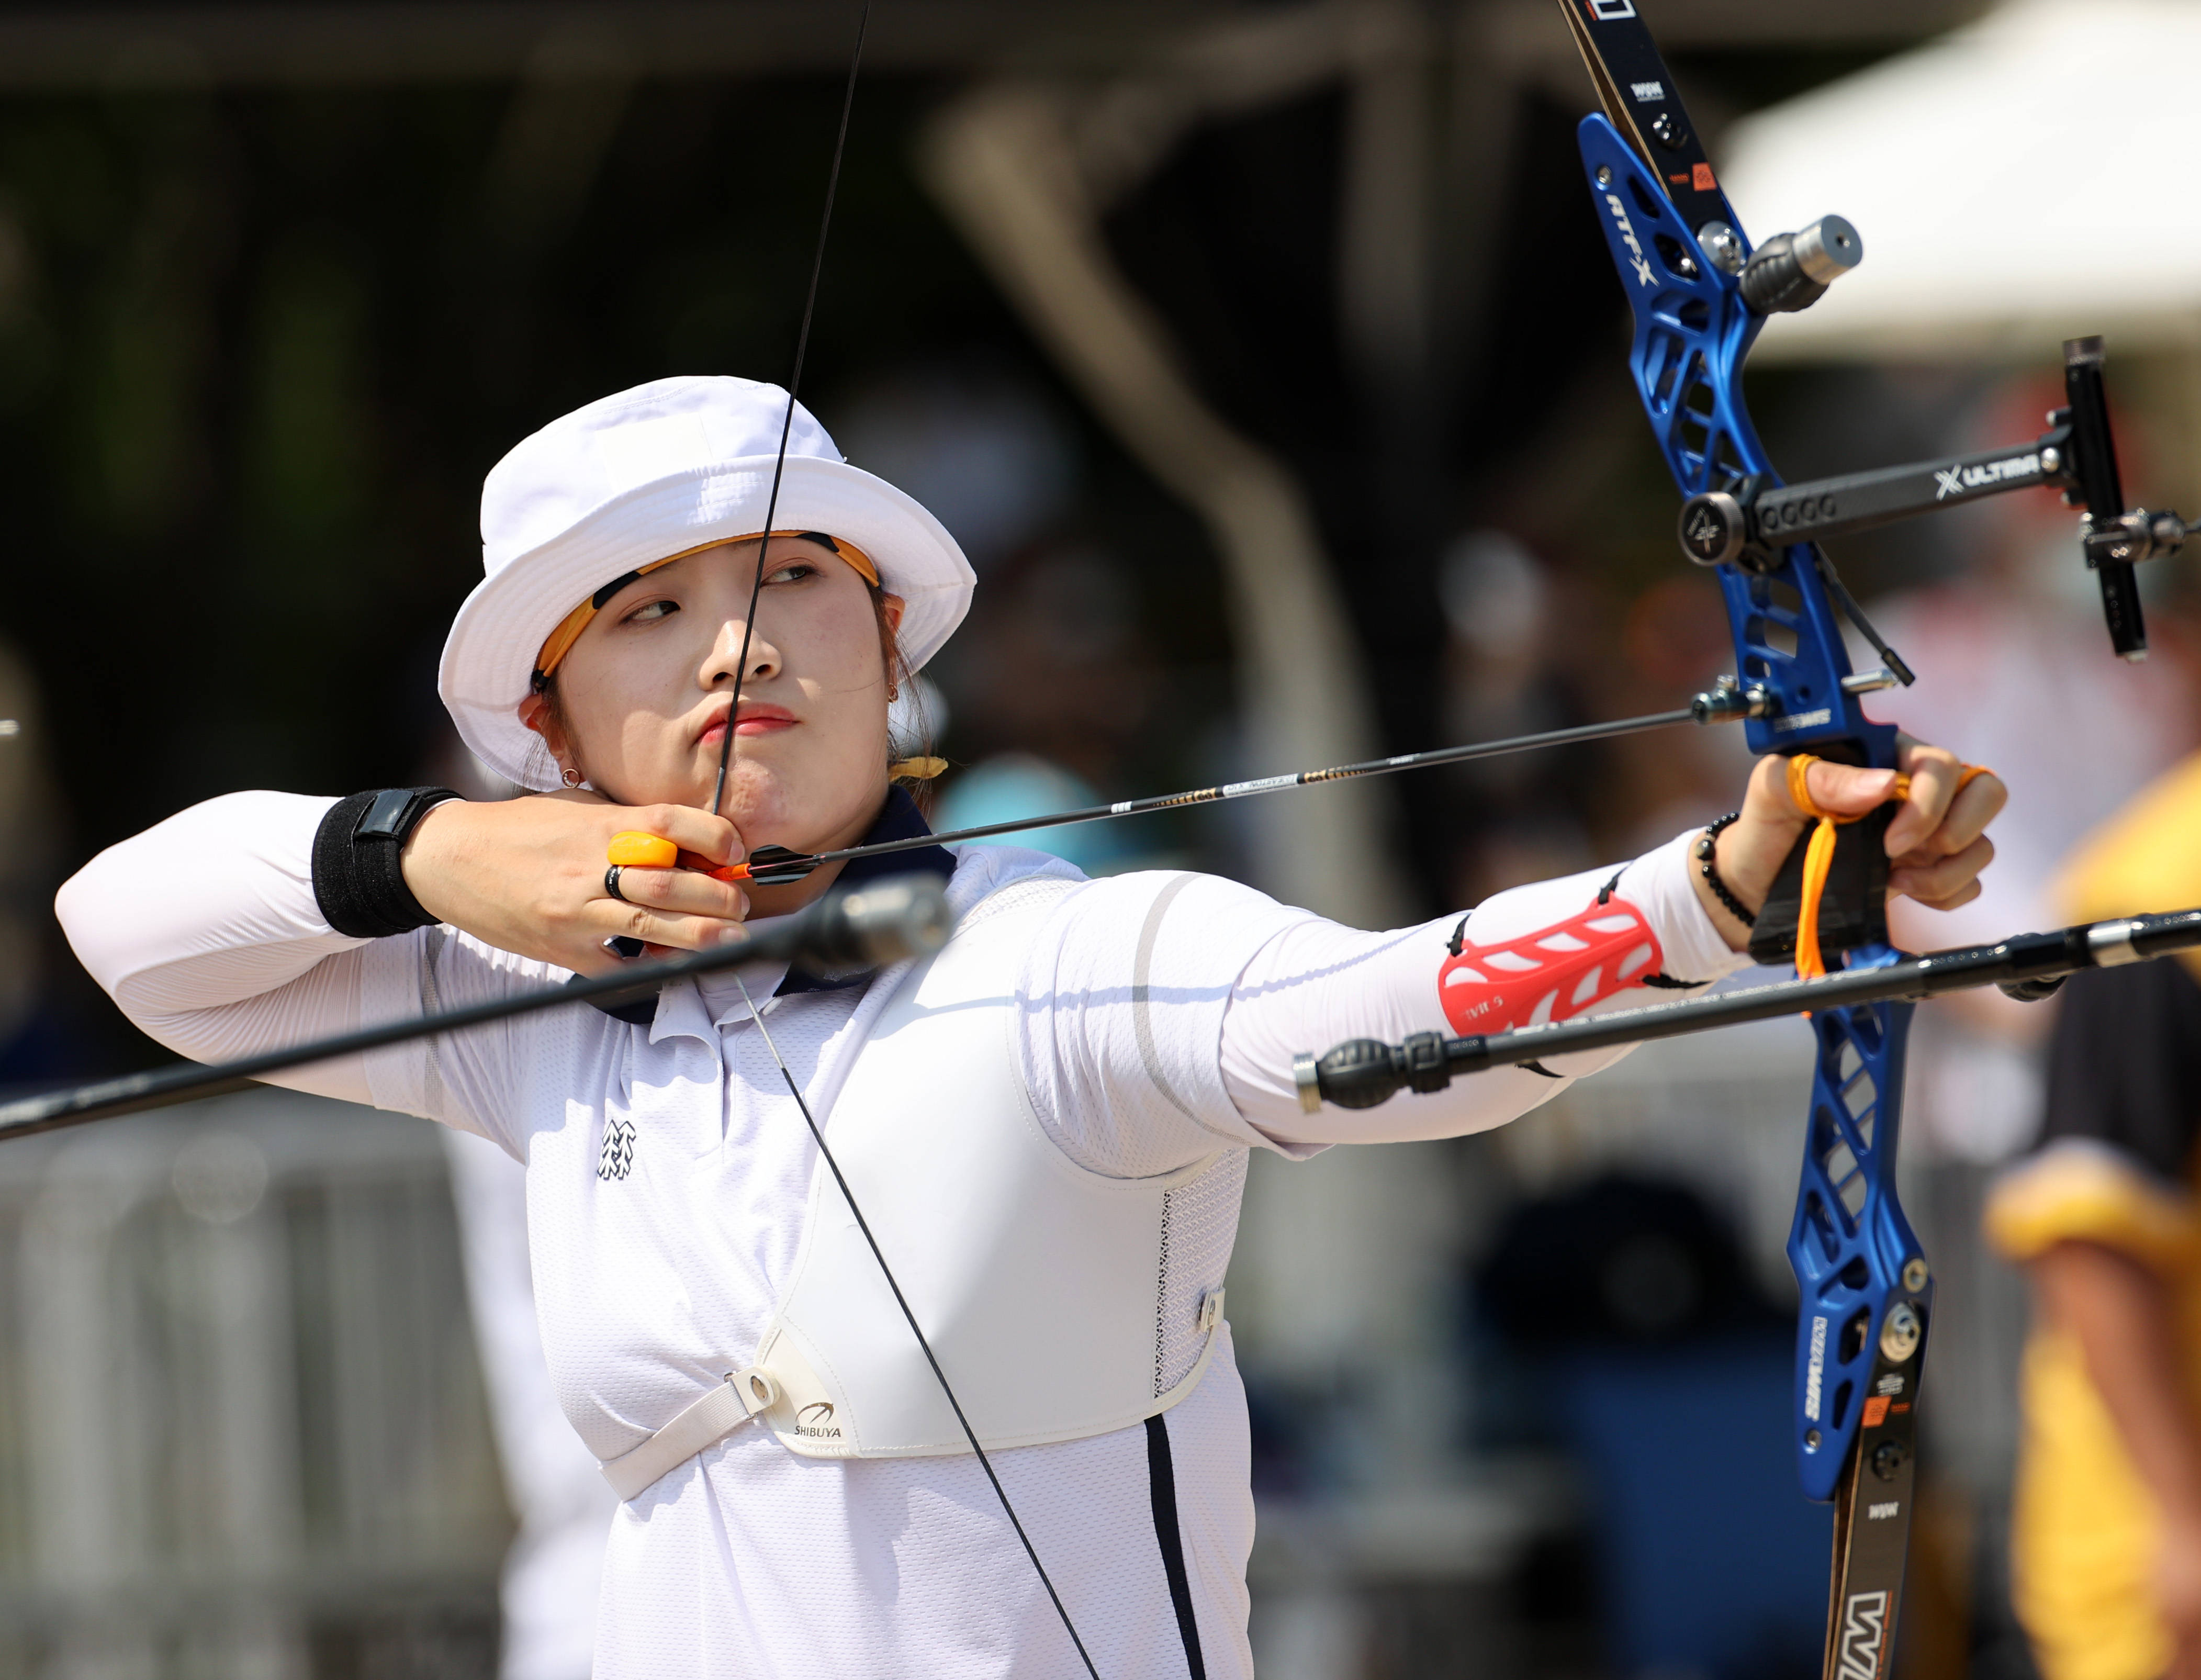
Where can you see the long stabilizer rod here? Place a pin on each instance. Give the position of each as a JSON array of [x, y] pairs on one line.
[[1363, 1073], [881, 922]]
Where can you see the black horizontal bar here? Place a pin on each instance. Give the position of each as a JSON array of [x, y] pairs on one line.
[[786, 940], [1785, 513], [2028, 956]]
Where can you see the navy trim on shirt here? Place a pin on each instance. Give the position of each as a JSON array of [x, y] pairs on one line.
[[1168, 1536], [899, 820]]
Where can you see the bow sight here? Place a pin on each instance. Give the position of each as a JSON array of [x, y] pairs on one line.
[[1748, 521], [1740, 517]]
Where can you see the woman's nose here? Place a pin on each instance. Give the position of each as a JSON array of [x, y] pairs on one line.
[[726, 654]]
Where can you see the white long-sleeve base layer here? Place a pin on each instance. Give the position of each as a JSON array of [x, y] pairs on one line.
[[549, 1589], [748, 1560]]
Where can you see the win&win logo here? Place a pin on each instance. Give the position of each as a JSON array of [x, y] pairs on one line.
[[1864, 1629]]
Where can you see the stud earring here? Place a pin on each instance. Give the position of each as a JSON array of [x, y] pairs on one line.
[[571, 777], [893, 693]]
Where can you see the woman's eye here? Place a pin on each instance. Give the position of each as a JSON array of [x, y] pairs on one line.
[[793, 573], [650, 612]]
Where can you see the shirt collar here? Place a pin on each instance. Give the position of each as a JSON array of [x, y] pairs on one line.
[[680, 1009], [900, 820]]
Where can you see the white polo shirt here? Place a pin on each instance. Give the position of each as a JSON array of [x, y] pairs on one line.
[[661, 1260]]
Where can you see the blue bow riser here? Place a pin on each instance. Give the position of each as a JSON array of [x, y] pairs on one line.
[[1850, 1244]]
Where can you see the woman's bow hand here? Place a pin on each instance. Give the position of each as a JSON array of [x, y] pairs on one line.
[[1937, 843], [527, 876]]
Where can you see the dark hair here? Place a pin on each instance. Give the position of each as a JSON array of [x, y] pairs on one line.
[[919, 745]]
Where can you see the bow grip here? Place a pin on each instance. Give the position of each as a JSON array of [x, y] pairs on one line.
[[1853, 908]]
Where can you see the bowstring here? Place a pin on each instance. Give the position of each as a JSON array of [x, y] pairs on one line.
[[924, 1344], [718, 799], [787, 421]]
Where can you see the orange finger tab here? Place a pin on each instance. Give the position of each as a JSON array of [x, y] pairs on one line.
[[636, 851]]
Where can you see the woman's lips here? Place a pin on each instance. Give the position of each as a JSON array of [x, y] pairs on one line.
[[751, 721]]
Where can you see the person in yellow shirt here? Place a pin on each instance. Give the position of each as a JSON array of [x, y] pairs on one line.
[[2105, 1216]]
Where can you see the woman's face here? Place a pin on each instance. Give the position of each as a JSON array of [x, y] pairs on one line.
[[645, 692]]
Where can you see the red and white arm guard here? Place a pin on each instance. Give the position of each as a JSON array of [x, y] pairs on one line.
[[1550, 974], [1543, 951]]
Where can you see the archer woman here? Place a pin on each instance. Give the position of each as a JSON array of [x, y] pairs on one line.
[[1047, 1126]]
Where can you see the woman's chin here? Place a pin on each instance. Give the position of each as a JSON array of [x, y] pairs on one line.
[[768, 811], [758, 801]]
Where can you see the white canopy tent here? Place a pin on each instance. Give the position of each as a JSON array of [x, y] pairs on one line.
[[2030, 177]]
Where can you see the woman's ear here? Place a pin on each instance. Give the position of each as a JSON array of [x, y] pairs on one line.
[[538, 713], [891, 607]]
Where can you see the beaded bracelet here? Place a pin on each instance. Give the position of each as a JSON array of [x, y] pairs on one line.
[[1706, 851]]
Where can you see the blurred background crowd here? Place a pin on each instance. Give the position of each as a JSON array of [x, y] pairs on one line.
[[1265, 358]]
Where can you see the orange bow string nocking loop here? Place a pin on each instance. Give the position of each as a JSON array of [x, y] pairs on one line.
[[1819, 858]]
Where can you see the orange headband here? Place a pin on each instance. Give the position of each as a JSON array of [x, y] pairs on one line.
[[559, 643]]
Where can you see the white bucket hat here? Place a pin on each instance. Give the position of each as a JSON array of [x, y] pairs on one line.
[[660, 470]]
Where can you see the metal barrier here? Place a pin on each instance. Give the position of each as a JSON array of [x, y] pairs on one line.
[[242, 1427]]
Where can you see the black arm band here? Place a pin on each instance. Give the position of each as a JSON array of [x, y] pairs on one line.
[[359, 875]]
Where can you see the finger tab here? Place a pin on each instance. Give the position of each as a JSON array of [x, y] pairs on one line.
[[636, 851]]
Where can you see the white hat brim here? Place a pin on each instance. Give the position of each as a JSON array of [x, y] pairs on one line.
[[489, 656]]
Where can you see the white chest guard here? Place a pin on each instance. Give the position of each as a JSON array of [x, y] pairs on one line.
[[1043, 1289]]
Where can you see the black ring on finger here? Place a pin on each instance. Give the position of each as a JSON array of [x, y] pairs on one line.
[[612, 883]]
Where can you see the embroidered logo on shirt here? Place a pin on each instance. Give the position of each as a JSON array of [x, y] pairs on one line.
[[616, 1158]]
